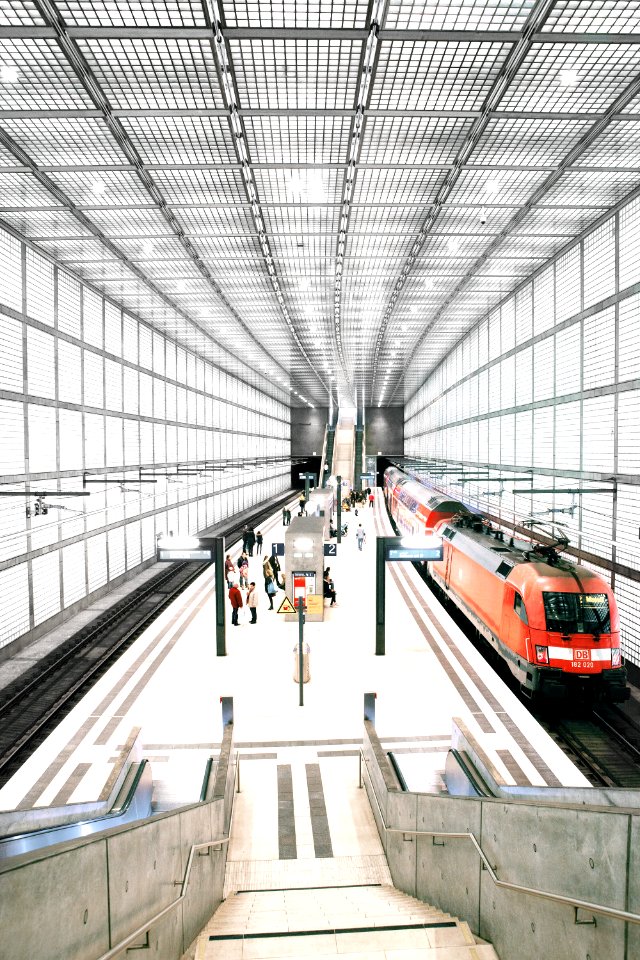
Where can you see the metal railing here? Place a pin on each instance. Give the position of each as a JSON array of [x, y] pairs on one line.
[[144, 928], [577, 904]]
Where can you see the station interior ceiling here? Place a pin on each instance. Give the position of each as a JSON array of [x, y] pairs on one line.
[[315, 188]]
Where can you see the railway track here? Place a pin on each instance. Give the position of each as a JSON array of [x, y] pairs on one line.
[[604, 744], [36, 701]]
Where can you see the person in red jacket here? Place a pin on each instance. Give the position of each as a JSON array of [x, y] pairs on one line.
[[235, 598]]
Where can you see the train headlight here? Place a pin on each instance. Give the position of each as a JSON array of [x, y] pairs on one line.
[[542, 654], [616, 659]]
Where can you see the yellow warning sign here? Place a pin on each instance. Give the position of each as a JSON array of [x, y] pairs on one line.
[[315, 603], [286, 606]]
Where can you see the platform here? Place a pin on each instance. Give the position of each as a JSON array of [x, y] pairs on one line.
[[170, 683]]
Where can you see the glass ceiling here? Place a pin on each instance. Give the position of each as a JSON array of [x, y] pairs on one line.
[[312, 185]]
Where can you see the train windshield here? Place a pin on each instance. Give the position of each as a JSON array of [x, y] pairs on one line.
[[577, 612]]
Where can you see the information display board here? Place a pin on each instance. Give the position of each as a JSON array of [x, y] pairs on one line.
[[201, 554]]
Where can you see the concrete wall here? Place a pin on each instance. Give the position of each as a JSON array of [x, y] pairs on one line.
[[307, 430], [581, 852], [384, 431], [79, 899]]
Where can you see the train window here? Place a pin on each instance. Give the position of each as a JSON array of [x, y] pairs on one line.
[[519, 607], [577, 612], [449, 533], [504, 569]]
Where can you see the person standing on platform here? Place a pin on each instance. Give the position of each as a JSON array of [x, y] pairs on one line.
[[302, 503], [372, 500], [243, 569], [274, 563], [269, 583], [251, 541], [252, 602], [328, 588], [229, 571], [245, 534], [235, 598], [360, 536], [259, 542], [284, 517], [288, 516]]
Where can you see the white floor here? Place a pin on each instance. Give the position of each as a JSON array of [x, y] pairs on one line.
[[170, 683]]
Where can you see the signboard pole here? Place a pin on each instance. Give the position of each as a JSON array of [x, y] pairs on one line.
[[221, 647], [300, 650], [339, 507], [380, 596]]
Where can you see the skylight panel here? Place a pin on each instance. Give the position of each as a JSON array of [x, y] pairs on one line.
[[388, 186], [603, 71], [298, 140], [223, 185], [593, 16], [412, 139], [103, 187], [292, 13], [65, 141], [587, 188], [528, 142], [181, 140], [44, 80], [155, 73], [415, 75], [296, 73], [458, 14], [133, 13], [619, 146], [17, 13]]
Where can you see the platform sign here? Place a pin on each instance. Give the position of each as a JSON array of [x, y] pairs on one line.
[[315, 603], [286, 606], [174, 553], [424, 548], [414, 553], [331, 549], [277, 549]]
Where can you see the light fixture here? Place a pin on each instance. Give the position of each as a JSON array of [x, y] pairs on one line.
[[453, 245], [98, 187], [568, 78], [147, 248], [9, 73], [492, 187]]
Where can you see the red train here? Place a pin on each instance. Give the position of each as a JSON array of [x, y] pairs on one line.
[[554, 622]]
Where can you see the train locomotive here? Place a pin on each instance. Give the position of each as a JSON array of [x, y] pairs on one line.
[[555, 623]]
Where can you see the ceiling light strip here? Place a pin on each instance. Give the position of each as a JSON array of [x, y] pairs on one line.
[[355, 144], [225, 68], [535, 22]]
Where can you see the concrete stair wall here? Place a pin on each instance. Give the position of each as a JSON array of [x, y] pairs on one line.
[[354, 923]]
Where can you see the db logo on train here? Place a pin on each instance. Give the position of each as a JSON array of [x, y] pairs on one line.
[[581, 654], [582, 660]]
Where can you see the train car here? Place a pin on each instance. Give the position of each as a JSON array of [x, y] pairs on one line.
[[555, 623], [414, 508]]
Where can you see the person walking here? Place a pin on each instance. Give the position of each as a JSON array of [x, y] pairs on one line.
[[269, 584], [251, 541], [360, 536], [284, 516], [252, 602], [235, 598], [243, 569], [229, 571], [258, 541], [274, 563], [245, 534]]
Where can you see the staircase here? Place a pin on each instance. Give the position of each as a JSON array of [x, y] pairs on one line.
[[343, 456], [374, 921]]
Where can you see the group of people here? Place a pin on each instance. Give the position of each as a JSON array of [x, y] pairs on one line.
[[251, 539], [238, 583], [286, 517]]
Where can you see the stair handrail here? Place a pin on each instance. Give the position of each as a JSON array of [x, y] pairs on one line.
[[577, 904], [183, 884]]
